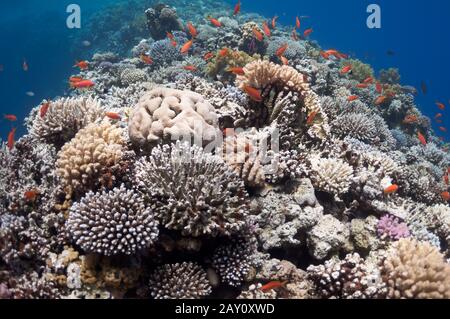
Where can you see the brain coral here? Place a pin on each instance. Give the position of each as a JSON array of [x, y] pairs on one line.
[[64, 118], [192, 191], [94, 149], [331, 175], [168, 114], [416, 270], [112, 222], [179, 281]]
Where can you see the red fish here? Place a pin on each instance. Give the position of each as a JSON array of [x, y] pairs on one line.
[[192, 68], [208, 56], [186, 47], [192, 30], [237, 8], [31, 195], [438, 116], [25, 65], [369, 80], [352, 98], [442, 129], [253, 93], [311, 118], [308, 32], [297, 22], [445, 178], [391, 189], [274, 22], [223, 52], [74, 79], [439, 121], [146, 59], [113, 116], [440, 105], [170, 36], [215, 22], [380, 100], [346, 69], [421, 138], [11, 141], [280, 51], [44, 109], [273, 285], [410, 119], [173, 43], [294, 35], [362, 85], [236, 70], [258, 35], [284, 60], [325, 55], [445, 196], [379, 88], [10, 117], [266, 29], [83, 65], [82, 84]]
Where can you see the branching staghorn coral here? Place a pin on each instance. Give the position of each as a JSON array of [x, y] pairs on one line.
[[192, 191], [64, 118], [92, 153], [185, 280], [415, 270]]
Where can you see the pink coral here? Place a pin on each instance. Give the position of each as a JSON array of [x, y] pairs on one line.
[[390, 227]]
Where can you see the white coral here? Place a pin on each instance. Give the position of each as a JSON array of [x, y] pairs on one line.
[[331, 175]]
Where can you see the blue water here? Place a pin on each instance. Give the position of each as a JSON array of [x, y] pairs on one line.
[[417, 32]]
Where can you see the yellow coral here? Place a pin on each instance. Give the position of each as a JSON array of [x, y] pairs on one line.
[[219, 65]]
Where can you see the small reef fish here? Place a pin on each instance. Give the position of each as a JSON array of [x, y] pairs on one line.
[[75, 79], [237, 8], [284, 60], [390, 52], [11, 141], [391, 189], [442, 129], [424, 88], [409, 89], [352, 98], [445, 196], [273, 285], [10, 117], [258, 35], [253, 93], [274, 22], [410, 119], [86, 43], [379, 88], [192, 30], [440, 105], [215, 22], [223, 52], [266, 30], [30, 93], [113, 116], [380, 100], [83, 65], [44, 109], [25, 66], [421, 138], [445, 178], [325, 55], [281, 50], [297, 22], [369, 80], [31, 195], [186, 47], [311, 118], [170, 36], [174, 43], [146, 59], [308, 32], [439, 121], [236, 70], [192, 68], [438, 116], [362, 85], [294, 35], [208, 56], [84, 84], [346, 69]]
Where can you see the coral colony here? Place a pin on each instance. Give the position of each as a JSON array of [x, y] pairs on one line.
[[226, 156]]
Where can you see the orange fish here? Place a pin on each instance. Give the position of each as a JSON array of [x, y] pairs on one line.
[[25, 65], [10, 117], [75, 79], [273, 285], [294, 35], [113, 116], [352, 98], [237, 8], [280, 51], [186, 47], [439, 121], [440, 105], [346, 69], [192, 68], [31, 195], [445, 196], [208, 56], [44, 109], [82, 84], [438, 116], [442, 129], [274, 22], [380, 100], [266, 29], [146, 59], [83, 65], [369, 80], [379, 88], [297, 22], [445, 178], [410, 119], [284, 60], [311, 118], [258, 35], [421, 138], [223, 52], [325, 55], [215, 22], [11, 134], [307, 32], [362, 85], [173, 43], [236, 70], [192, 30], [391, 189], [253, 93], [170, 36]]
